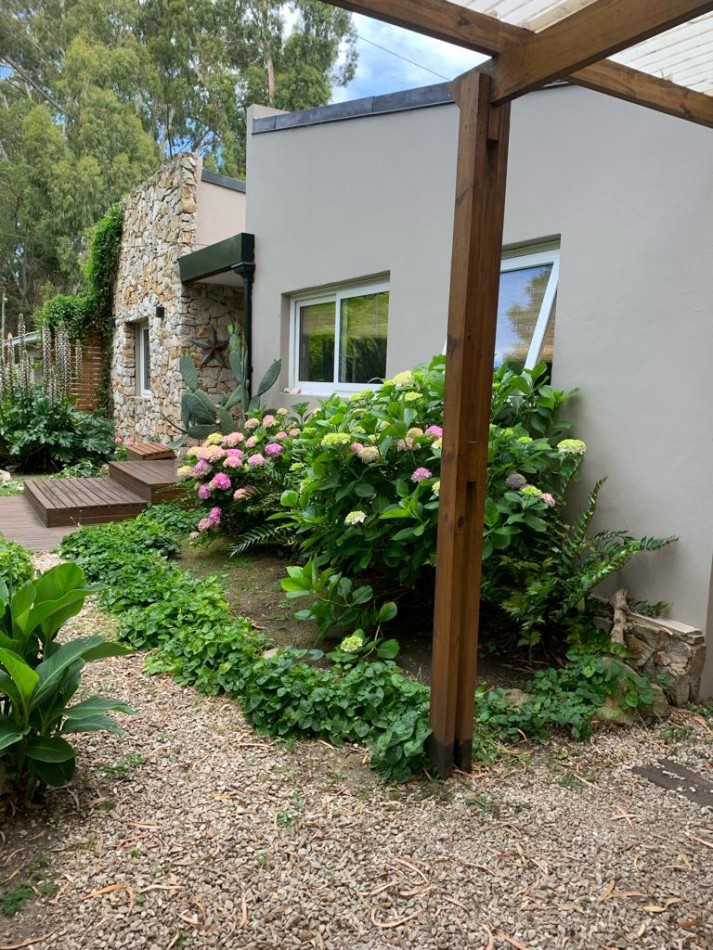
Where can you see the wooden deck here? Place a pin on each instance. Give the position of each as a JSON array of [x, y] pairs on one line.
[[74, 501], [19, 522], [149, 451], [152, 481]]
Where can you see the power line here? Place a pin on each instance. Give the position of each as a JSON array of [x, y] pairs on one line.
[[404, 58]]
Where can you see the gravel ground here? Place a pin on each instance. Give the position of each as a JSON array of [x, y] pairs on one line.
[[190, 831]]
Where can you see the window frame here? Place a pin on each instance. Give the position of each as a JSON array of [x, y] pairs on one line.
[[522, 259], [334, 295], [141, 361]]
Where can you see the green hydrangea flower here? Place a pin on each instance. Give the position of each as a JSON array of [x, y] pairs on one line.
[[352, 644], [572, 445], [336, 438], [215, 438]]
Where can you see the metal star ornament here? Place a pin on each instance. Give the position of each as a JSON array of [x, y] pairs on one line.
[[212, 348]]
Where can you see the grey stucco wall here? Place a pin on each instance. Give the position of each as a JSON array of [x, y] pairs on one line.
[[629, 191]]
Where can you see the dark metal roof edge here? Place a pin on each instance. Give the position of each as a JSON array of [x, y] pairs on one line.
[[224, 181], [420, 98], [423, 97]]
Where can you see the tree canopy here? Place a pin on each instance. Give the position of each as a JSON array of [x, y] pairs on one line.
[[95, 94]]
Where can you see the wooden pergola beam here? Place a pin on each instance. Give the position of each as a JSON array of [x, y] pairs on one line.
[[472, 322], [585, 37], [483, 34]]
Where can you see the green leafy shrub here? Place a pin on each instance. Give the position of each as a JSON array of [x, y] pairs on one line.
[[39, 677], [15, 564], [39, 433]]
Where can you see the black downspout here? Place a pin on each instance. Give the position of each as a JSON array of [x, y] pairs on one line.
[[246, 270]]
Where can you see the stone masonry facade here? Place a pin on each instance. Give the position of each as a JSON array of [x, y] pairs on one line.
[[160, 227]]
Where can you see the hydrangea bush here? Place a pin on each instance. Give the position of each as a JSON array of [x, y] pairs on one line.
[[356, 483]]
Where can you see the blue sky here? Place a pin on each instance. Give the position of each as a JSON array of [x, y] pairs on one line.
[[381, 72]]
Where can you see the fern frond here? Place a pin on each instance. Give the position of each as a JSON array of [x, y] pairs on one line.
[[272, 534], [575, 540]]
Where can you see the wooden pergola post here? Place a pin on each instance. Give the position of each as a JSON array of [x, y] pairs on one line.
[[472, 318]]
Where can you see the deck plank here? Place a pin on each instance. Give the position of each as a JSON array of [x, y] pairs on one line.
[[18, 522]]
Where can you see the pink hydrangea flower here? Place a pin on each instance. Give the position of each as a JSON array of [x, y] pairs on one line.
[[273, 449], [221, 481], [280, 436], [420, 474], [257, 459], [205, 524], [129, 441], [548, 499], [294, 432], [356, 447], [251, 442], [404, 445], [435, 431], [233, 439], [234, 459], [118, 439], [268, 421], [241, 494], [214, 515], [204, 491], [201, 469], [252, 423]]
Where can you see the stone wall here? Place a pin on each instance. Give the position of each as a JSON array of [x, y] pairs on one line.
[[160, 227]]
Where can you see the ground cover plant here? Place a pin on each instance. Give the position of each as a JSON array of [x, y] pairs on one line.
[[353, 693], [39, 677]]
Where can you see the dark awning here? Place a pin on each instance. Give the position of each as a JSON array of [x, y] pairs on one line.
[[216, 259]]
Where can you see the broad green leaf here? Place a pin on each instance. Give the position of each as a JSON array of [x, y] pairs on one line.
[[388, 650], [52, 670], [97, 705], [55, 774], [387, 611], [391, 513], [58, 581], [106, 649], [20, 606], [4, 595], [289, 499], [51, 615], [22, 675], [9, 689], [98, 723], [49, 749], [9, 734]]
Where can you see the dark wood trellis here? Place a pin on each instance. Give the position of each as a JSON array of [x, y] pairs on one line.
[[575, 47]]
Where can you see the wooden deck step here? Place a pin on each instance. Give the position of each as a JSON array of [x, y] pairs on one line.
[[72, 501], [149, 452], [151, 480]]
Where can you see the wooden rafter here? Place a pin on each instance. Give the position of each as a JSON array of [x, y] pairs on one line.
[[585, 37], [476, 31]]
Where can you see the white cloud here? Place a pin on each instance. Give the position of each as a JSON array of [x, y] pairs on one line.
[[392, 59]]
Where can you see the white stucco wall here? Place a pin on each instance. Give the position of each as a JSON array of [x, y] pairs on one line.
[[631, 194]]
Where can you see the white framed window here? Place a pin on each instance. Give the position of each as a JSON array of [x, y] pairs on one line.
[[143, 358], [526, 307], [338, 338]]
